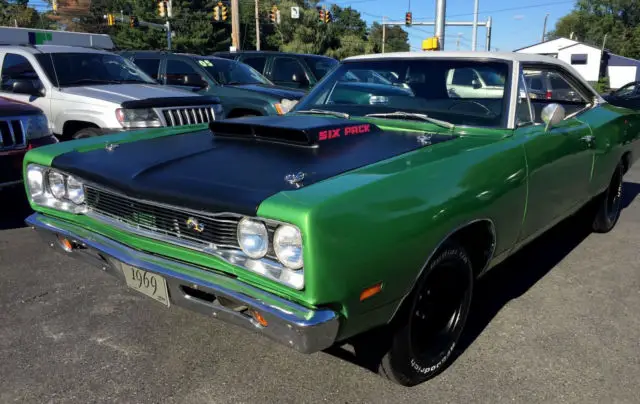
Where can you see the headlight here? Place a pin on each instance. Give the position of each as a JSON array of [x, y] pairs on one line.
[[253, 238], [287, 244], [37, 127], [57, 184], [285, 106], [53, 189], [138, 118]]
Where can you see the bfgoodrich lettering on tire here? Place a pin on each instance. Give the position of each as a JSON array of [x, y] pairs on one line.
[[432, 319]]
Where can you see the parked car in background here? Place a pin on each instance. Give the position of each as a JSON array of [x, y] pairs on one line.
[[550, 86], [88, 91], [242, 90], [370, 210], [22, 128], [627, 96], [293, 70]]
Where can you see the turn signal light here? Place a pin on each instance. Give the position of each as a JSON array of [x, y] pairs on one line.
[[258, 317], [371, 291], [65, 244]]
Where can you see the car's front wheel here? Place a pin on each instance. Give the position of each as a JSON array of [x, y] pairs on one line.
[[432, 320]]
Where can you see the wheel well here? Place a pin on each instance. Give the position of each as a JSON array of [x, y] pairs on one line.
[[71, 127], [626, 162], [238, 112], [478, 239]]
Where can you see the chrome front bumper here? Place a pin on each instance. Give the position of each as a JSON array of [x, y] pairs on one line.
[[221, 297]]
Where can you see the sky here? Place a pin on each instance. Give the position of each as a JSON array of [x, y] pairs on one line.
[[515, 24]]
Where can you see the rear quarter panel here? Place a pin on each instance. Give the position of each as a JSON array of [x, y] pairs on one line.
[[382, 222]]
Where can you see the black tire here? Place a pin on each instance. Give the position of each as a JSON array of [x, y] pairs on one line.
[[609, 204], [86, 132], [432, 319]]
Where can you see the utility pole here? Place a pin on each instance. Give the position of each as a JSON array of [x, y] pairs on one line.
[[604, 41], [458, 41], [257, 26], [384, 33], [488, 40], [474, 33], [235, 25], [441, 9], [544, 27]]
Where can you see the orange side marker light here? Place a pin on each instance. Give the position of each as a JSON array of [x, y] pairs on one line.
[[258, 317], [371, 291]]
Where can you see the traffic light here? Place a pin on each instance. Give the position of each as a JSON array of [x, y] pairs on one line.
[[54, 5], [111, 20], [322, 14], [133, 21], [162, 11], [273, 15], [217, 11], [224, 13], [407, 18], [327, 17]]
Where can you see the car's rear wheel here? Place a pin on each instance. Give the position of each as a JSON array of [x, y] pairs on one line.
[[432, 320], [608, 205]]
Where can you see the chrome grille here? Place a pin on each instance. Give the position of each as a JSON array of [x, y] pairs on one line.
[[12, 134], [164, 222], [188, 115]]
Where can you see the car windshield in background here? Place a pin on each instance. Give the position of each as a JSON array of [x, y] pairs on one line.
[[79, 69], [229, 72], [438, 88], [320, 66]]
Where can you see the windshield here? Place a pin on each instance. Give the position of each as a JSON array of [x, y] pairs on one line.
[[226, 71], [422, 86], [320, 65], [78, 69]]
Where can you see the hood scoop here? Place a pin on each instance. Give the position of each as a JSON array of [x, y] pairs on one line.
[[303, 131]]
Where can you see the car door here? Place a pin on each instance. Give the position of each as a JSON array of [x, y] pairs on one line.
[[288, 72], [15, 68], [559, 160]]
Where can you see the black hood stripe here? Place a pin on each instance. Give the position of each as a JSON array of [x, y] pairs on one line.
[[220, 174]]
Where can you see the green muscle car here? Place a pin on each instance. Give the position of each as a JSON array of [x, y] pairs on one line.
[[369, 209]]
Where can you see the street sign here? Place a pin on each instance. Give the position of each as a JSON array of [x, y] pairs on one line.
[[295, 12]]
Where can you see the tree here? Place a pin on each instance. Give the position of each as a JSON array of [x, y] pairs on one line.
[[592, 19], [18, 12], [396, 39]]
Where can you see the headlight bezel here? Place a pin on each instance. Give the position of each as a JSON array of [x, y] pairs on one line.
[[271, 266], [40, 192], [138, 118]]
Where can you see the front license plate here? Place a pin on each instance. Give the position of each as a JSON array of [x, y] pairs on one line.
[[152, 285]]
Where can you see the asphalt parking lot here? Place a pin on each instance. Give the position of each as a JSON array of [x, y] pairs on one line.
[[557, 323]]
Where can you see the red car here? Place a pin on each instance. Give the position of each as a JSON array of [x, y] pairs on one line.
[[22, 127]]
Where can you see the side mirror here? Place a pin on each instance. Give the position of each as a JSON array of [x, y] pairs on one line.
[[552, 115], [476, 84], [24, 86]]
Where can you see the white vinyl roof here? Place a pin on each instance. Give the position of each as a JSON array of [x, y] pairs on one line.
[[507, 56]]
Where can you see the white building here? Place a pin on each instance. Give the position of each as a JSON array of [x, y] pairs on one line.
[[590, 61]]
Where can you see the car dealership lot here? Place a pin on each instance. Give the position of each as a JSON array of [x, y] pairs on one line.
[[559, 323]]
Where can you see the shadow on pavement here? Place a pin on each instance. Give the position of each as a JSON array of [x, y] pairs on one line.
[[14, 208], [505, 282]]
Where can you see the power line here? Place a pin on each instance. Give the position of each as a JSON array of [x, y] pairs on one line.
[[507, 9]]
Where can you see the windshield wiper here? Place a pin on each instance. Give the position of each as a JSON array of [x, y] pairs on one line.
[[414, 116], [136, 81], [323, 112]]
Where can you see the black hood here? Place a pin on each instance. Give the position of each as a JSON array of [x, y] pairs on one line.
[[241, 162], [275, 91]]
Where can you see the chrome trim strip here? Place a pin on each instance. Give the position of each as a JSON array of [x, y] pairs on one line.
[[304, 329], [10, 183]]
